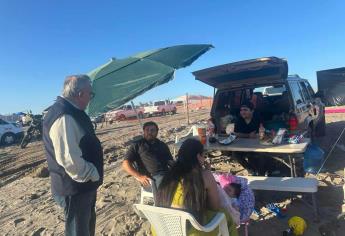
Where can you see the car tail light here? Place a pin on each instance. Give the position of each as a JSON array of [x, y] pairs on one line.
[[293, 122]]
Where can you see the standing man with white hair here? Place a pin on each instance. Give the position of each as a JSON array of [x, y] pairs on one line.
[[74, 155]]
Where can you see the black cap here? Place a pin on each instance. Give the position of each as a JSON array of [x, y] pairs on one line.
[[248, 104]]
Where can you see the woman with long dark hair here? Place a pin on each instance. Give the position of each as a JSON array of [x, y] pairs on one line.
[[191, 187]]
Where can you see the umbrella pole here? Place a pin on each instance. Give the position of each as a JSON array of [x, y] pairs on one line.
[[135, 110], [187, 109]]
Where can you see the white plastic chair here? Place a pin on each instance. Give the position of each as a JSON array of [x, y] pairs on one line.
[[193, 131], [173, 222]]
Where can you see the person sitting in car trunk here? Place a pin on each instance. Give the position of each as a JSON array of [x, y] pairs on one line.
[[247, 126]]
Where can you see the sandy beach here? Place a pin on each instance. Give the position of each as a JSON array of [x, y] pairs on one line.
[[27, 208]]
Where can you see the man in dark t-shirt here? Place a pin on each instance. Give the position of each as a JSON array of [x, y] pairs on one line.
[[247, 126], [148, 158]]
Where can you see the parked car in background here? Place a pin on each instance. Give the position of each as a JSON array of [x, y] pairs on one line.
[[282, 101], [160, 108], [9, 132], [124, 112]]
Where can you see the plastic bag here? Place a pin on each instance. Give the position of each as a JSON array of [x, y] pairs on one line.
[[313, 159]]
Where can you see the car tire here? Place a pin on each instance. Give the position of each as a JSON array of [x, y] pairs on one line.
[[174, 111], [163, 113], [320, 129], [8, 139], [141, 115]]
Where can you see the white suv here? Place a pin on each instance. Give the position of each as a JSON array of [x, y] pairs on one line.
[[9, 132]]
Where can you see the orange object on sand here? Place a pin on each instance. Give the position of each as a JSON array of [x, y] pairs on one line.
[[202, 135]]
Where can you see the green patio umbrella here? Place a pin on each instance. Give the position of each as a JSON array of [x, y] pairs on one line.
[[121, 80]]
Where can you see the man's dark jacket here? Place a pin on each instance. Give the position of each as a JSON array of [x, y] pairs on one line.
[[61, 183]]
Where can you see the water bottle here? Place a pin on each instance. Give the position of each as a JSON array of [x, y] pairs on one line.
[[261, 132]]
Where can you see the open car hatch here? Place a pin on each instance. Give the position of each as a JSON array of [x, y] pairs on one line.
[[260, 71]]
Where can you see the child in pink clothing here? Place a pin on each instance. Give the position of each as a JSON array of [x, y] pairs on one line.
[[232, 189], [228, 206]]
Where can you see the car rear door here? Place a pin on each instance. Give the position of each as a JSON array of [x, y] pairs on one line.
[[255, 72]]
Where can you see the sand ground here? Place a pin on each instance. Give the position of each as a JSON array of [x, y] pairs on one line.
[[27, 208]]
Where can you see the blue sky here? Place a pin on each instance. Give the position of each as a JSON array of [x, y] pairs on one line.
[[43, 41]]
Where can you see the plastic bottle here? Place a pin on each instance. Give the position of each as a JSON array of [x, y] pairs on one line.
[[261, 131]]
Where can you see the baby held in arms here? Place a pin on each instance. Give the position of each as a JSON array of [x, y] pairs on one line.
[[233, 190], [229, 193]]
